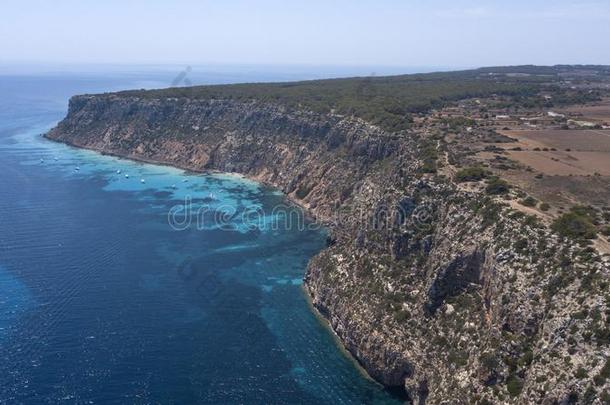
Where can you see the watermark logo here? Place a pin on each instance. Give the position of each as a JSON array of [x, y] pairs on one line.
[[182, 79], [422, 217], [227, 217]]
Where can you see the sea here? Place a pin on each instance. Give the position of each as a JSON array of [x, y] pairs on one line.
[[113, 289]]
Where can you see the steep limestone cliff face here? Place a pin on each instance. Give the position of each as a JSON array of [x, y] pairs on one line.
[[447, 293], [305, 155]]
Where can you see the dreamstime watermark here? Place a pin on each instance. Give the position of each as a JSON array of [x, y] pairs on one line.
[[227, 217], [285, 217]]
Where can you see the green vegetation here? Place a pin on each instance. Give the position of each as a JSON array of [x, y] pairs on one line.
[[529, 201], [489, 211], [475, 173], [589, 212], [526, 358], [497, 186], [603, 375], [458, 123], [521, 245], [489, 361], [458, 357], [303, 191], [545, 207], [514, 385], [385, 101], [576, 224], [402, 316], [429, 155], [581, 373]]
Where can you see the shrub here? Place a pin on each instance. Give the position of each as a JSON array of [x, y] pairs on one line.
[[585, 211], [491, 214], [496, 186], [574, 225], [527, 358], [514, 385], [489, 361], [458, 357], [475, 173], [603, 375], [545, 207], [581, 373], [401, 316], [605, 371], [429, 155], [529, 201], [303, 191], [521, 245]]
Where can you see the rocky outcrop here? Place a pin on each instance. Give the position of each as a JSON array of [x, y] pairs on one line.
[[454, 278], [449, 294]]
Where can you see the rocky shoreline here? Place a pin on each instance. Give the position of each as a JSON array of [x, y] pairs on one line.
[[443, 292]]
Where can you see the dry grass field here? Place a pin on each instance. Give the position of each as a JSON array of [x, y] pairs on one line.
[[562, 152]]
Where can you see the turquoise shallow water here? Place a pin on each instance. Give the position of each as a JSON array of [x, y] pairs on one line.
[[101, 300]]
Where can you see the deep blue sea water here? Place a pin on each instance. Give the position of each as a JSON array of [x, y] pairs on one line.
[[102, 301]]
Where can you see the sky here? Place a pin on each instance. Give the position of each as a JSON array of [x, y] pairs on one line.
[[457, 33]]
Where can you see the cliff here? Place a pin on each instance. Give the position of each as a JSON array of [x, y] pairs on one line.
[[446, 292]]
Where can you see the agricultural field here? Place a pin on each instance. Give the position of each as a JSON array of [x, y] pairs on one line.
[[599, 113], [562, 152]]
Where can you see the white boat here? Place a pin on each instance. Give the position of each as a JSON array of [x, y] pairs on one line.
[[41, 160], [118, 172], [173, 186], [126, 176], [142, 181], [55, 158], [77, 168]]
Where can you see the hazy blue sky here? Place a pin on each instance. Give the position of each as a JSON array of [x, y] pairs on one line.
[[455, 33]]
